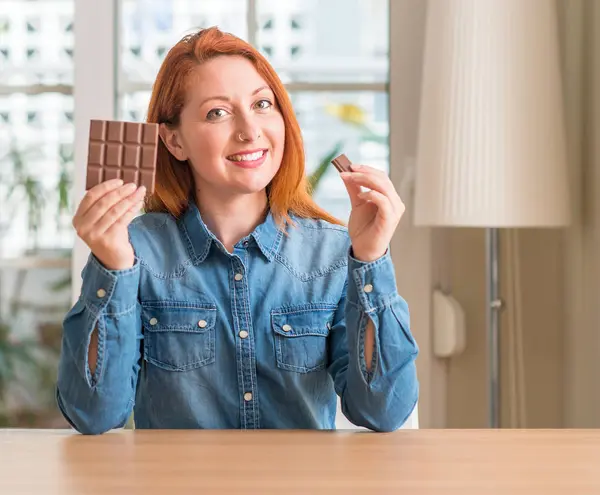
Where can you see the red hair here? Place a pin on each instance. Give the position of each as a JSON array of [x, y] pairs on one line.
[[288, 192]]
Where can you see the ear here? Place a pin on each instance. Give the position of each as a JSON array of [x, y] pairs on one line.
[[172, 140]]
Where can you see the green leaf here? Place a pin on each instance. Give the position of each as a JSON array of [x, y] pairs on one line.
[[318, 174], [62, 284]]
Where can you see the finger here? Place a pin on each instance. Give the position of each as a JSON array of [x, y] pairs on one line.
[[355, 167], [127, 217], [353, 189], [100, 207], [380, 200], [117, 211], [391, 191], [377, 182], [95, 193]]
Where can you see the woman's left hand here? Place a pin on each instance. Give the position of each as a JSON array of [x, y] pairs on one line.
[[375, 212]]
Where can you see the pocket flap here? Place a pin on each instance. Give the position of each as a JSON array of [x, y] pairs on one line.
[[179, 316], [304, 321]]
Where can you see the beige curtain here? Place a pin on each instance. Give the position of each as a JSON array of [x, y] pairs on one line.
[[580, 36]]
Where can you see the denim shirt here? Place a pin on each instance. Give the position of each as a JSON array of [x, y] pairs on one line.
[[193, 336]]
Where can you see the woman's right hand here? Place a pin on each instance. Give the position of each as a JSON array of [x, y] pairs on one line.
[[102, 218]]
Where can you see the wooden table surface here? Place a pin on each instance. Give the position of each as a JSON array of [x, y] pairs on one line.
[[465, 462]]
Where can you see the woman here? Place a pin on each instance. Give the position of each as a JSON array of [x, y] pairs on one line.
[[235, 301]]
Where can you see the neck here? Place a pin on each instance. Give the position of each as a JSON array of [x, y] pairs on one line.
[[232, 219]]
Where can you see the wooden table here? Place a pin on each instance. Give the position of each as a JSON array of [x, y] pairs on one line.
[[465, 462]]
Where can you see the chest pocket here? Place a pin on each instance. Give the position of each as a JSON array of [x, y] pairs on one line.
[[179, 336], [300, 336]]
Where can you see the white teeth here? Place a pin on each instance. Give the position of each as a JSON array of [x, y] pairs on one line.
[[246, 158]]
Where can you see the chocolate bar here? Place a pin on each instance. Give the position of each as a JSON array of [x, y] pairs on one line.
[[122, 150], [342, 163]]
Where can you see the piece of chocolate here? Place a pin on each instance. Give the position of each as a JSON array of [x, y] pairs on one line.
[[342, 163], [122, 150]]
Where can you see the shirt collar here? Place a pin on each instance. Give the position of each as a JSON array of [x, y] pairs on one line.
[[199, 238]]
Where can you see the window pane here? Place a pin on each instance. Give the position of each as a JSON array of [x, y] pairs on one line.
[[36, 42], [352, 123], [36, 236], [149, 28], [36, 138], [133, 107], [325, 41]]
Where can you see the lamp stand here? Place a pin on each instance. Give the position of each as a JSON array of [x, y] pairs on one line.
[[494, 305]]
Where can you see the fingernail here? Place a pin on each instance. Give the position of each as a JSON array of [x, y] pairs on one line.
[[131, 186], [142, 190], [355, 167], [346, 175]]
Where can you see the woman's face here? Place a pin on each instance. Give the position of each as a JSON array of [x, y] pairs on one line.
[[231, 131]]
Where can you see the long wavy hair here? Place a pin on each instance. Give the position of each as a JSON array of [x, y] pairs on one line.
[[288, 192]]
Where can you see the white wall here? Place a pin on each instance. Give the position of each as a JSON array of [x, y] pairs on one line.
[[412, 248]]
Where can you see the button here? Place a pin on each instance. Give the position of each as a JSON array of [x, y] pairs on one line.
[[238, 276], [202, 323], [368, 288], [245, 243], [153, 321], [247, 396], [286, 328], [243, 334], [101, 293]]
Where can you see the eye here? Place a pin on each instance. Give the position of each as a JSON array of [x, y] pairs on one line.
[[263, 104], [216, 113]]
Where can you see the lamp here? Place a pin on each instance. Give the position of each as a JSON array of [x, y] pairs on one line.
[[491, 149]]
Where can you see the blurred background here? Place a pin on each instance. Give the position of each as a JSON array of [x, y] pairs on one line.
[[361, 76]]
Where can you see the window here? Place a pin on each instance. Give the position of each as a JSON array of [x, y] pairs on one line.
[[148, 28], [332, 56], [36, 171], [36, 125]]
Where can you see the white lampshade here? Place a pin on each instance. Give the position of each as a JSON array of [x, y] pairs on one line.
[[491, 149]]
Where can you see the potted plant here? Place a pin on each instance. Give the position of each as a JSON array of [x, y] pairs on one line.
[[354, 116], [17, 360], [21, 187]]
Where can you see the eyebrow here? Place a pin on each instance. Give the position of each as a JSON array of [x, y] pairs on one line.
[[226, 98]]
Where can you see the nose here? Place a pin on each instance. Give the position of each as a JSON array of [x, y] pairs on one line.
[[247, 131]]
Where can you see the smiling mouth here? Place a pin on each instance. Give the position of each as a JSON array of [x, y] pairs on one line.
[[247, 157]]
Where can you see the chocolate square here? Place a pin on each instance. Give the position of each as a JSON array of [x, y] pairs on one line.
[[342, 163], [120, 150]]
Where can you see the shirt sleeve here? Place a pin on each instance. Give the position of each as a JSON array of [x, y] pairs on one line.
[[383, 397], [95, 403]]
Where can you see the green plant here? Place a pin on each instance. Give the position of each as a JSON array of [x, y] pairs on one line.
[[63, 187], [315, 178], [354, 116], [17, 359], [21, 186], [28, 370], [351, 115], [18, 180], [28, 366]]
